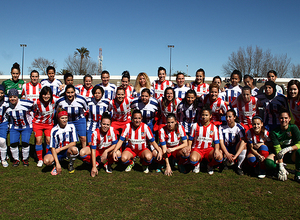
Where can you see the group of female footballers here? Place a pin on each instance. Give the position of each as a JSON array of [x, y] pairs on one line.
[[163, 123]]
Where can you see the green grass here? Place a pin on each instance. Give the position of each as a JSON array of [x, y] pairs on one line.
[[31, 192]]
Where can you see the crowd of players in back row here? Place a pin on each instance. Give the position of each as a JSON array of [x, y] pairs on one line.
[[161, 122]]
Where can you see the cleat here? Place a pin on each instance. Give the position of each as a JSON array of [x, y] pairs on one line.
[[239, 171], [54, 171], [210, 170], [16, 163], [159, 168], [197, 168], [71, 168], [108, 168], [25, 163], [40, 163], [297, 179], [4, 163], [261, 174], [145, 169], [181, 168], [97, 164], [129, 167]]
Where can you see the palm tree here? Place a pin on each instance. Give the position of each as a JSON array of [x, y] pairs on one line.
[[83, 53]]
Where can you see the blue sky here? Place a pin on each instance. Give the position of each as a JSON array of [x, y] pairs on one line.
[[134, 34]]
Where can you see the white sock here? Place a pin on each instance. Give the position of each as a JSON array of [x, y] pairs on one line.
[[25, 152], [241, 158], [15, 152], [3, 148]]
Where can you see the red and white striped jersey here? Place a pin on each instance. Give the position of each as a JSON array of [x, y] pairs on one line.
[[217, 107], [246, 110], [295, 109], [101, 141], [129, 91], [164, 111], [159, 88], [137, 137], [31, 92], [84, 92], [120, 112], [43, 114], [171, 138], [204, 136], [200, 89], [253, 138]]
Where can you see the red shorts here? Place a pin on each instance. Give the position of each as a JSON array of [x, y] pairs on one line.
[[119, 125], [135, 152], [38, 129], [204, 153], [174, 154]]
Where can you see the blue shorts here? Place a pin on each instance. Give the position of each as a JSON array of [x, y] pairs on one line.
[[15, 135], [231, 149], [3, 130], [89, 136], [61, 155], [80, 126]]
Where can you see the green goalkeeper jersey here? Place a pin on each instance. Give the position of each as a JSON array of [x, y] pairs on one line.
[[285, 138], [9, 84]]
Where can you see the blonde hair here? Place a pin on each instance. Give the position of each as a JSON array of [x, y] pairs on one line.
[[137, 85]]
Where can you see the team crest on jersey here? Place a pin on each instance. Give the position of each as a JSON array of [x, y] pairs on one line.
[[289, 134], [109, 137], [20, 86], [143, 134], [211, 133]]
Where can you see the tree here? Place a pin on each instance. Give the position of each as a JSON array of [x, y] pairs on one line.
[[76, 66], [256, 62], [84, 54], [40, 64], [63, 72], [295, 71]]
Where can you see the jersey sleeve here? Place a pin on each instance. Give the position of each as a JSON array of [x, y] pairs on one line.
[[249, 137], [216, 135], [296, 135], [182, 133], [52, 139], [114, 137], [275, 141], [74, 135], [193, 132], [125, 132], [161, 135], [149, 134], [94, 139]]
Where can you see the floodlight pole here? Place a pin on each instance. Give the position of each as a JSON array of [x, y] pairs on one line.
[[23, 45], [170, 46]]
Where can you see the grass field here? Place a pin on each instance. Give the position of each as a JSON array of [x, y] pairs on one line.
[[31, 193]]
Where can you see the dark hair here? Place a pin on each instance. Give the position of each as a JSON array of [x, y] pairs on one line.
[[164, 100], [195, 103], [272, 71], [237, 72], [217, 77], [206, 107], [120, 88], [246, 88], [67, 75], [136, 111], [87, 75], [172, 115], [161, 68], [179, 73], [262, 131], [200, 70], [106, 115], [232, 111], [284, 110], [68, 87], [251, 77], [50, 68], [104, 72], [126, 74], [95, 89], [15, 66], [60, 109], [44, 91], [214, 85], [146, 90], [293, 82], [34, 71]]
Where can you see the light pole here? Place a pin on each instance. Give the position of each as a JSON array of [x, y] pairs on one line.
[[187, 70], [23, 45], [170, 46]]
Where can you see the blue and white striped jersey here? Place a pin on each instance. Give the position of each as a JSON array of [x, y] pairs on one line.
[[148, 111], [180, 92], [271, 108], [186, 116], [4, 104], [53, 85], [75, 109], [231, 136], [61, 137], [109, 91], [96, 110], [19, 116]]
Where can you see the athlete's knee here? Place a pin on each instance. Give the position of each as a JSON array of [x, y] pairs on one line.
[[270, 164]]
